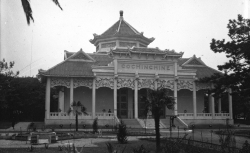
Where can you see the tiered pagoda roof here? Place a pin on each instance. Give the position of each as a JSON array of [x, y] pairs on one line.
[[121, 29]]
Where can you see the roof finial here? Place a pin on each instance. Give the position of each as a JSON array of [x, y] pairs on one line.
[[121, 15]]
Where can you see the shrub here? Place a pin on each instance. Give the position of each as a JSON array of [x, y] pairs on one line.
[[122, 133], [245, 147], [141, 149], [95, 125]]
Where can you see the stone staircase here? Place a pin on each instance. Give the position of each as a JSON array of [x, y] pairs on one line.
[[177, 122], [150, 123], [131, 123]]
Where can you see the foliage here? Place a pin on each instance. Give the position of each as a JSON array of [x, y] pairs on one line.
[[122, 133], [28, 11], [227, 140], [76, 111], [156, 102], [70, 148], [141, 149], [237, 69], [20, 97], [245, 148], [111, 148], [95, 125]]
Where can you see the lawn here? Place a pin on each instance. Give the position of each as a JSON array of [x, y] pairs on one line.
[[96, 147]]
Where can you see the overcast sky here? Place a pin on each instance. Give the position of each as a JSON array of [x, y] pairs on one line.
[[182, 25]]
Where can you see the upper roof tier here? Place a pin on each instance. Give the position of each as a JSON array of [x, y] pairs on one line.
[[121, 34]]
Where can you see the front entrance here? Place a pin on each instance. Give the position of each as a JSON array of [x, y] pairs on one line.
[[122, 103]]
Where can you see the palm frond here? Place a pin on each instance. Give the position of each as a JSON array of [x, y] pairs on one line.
[[27, 10], [57, 3]]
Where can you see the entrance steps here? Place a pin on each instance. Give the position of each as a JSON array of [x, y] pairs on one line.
[[177, 122], [131, 123], [150, 123]]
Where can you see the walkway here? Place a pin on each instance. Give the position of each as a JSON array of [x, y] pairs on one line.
[[20, 126]]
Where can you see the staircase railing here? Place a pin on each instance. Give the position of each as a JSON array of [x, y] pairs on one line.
[[180, 120], [116, 119]]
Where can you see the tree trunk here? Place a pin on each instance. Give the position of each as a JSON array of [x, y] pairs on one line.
[[76, 122], [157, 132]]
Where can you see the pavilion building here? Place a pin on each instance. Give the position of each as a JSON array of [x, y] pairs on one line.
[[110, 82]]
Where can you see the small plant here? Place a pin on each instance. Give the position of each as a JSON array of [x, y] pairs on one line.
[[227, 140], [60, 148], [111, 148], [245, 147], [46, 145], [141, 149], [30, 149], [95, 126], [122, 133]]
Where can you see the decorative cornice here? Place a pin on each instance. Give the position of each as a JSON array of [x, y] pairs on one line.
[[79, 82], [60, 82], [105, 82]]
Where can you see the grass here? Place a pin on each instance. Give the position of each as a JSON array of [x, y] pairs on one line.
[[96, 148]]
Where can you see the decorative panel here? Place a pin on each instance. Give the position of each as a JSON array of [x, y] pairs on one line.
[[125, 82], [146, 83], [200, 86], [185, 84], [104, 82], [108, 45], [60, 82], [169, 84], [126, 44], [194, 62], [80, 56], [78, 82]]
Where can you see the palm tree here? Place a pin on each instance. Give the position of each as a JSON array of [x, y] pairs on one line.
[[78, 109], [28, 11], [155, 101]]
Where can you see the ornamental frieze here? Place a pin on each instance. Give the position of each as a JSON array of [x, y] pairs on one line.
[[78, 82], [200, 86], [104, 82], [125, 82], [60, 82], [146, 83], [185, 84], [169, 84]]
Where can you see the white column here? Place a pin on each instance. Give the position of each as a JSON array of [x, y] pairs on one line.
[[71, 97], [115, 97], [115, 86], [175, 89], [136, 98], [194, 100], [61, 99], [219, 105], [230, 103], [93, 99], [212, 105], [47, 99]]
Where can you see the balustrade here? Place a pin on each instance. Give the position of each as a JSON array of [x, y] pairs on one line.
[[64, 115]]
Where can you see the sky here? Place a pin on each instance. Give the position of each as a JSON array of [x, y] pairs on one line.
[[183, 25]]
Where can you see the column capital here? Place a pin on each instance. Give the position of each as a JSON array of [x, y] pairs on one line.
[[157, 77], [137, 76], [176, 78], [116, 76]]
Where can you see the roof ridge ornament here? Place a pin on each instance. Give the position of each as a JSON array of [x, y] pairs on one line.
[[121, 14]]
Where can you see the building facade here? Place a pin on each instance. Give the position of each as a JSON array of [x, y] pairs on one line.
[[110, 81]]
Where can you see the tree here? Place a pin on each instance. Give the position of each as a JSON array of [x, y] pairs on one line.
[[28, 11], [78, 109], [6, 77], [122, 133], [155, 101], [237, 69]]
